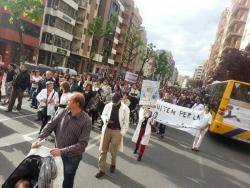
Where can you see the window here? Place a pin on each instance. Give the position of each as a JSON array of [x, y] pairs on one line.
[[65, 8], [241, 93]]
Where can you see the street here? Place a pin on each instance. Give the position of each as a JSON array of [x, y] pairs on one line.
[[167, 163]]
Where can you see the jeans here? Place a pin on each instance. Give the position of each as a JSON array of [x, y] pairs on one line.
[[31, 91], [70, 164]]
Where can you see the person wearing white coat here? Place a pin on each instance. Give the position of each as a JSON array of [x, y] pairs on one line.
[[115, 117], [201, 131], [143, 131], [48, 98]]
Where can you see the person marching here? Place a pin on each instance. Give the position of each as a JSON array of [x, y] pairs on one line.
[[200, 133], [49, 100], [143, 131], [116, 122]]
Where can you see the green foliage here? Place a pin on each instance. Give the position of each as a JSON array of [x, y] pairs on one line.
[[31, 9], [18, 9], [235, 64], [133, 41], [97, 29], [147, 54], [163, 64], [194, 83]]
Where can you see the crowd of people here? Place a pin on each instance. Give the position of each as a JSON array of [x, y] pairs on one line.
[[63, 101]]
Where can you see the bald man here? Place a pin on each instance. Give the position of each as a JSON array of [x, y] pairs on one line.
[[72, 127]]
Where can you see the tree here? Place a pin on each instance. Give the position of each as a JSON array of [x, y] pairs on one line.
[[235, 64], [131, 49], [194, 83], [148, 54], [18, 9], [98, 30], [163, 66]]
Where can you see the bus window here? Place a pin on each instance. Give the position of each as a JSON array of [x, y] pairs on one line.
[[241, 92], [215, 93]]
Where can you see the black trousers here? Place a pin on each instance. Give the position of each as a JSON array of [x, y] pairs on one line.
[[45, 120]]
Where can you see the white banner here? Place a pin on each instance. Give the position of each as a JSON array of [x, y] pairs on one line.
[[131, 77], [178, 117], [149, 93]]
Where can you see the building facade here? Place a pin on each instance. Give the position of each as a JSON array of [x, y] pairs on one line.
[[232, 33], [236, 24], [105, 48], [199, 73], [82, 43], [10, 40], [57, 32]]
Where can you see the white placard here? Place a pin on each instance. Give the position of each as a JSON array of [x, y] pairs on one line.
[[131, 77]]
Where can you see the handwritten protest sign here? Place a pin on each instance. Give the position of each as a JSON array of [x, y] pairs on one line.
[[149, 93], [178, 117], [131, 77]]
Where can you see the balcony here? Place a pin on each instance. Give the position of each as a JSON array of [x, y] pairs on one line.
[[235, 21], [80, 16], [113, 51], [231, 34], [118, 30], [77, 35], [77, 52], [58, 13], [238, 7], [83, 4]]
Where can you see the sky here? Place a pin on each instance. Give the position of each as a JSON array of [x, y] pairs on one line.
[[187, 28]]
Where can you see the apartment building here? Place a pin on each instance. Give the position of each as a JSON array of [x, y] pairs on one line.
[[105, 47], [10, 42], [246, 35], [236, 24], [198, 73], [135, 27], [82, 43], [217, 47], [57, 32], [232, 32]]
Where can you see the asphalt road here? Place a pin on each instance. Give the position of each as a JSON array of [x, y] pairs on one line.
[[167, 163]]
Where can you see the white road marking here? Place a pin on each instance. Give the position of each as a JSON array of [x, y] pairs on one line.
[[6, 119], [94, 144], [13, 139]]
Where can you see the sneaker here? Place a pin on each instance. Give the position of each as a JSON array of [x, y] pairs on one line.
[[112, 168], [100, 174]]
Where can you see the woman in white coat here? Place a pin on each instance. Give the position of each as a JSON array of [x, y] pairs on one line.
[[143, 131], [48, 99]]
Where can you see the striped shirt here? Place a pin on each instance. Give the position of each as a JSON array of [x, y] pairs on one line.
[[72, 133]]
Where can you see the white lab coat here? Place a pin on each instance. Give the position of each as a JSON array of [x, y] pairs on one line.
[[53, 101], [146, 137], [123, 119]]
